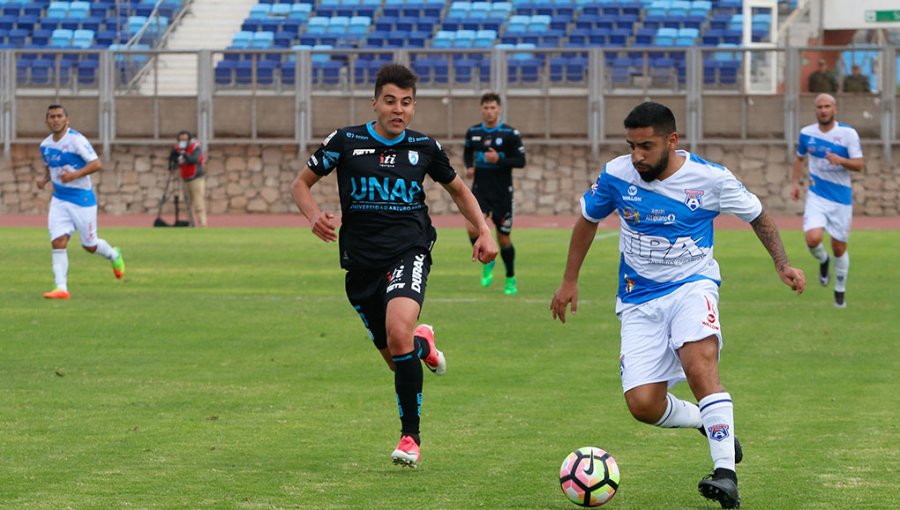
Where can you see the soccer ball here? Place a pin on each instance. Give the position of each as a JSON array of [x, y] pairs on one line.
[[589, 477]]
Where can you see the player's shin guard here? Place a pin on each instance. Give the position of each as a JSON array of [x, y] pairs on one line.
[[508, 255], [841, 268], [717, 413], [680, 414], [408, 385], [60, 268], [105, 250]]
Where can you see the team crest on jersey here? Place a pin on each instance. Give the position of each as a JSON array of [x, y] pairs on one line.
[[413, 157], [499, 142], [717, 432], [631, 215], [693, 199]]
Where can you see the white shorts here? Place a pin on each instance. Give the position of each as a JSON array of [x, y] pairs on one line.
[[835, 218], [653, 332], [66, 217]]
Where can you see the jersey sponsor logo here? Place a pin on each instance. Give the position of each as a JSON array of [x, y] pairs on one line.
[[329, 137], [413, 157], [710, 321], [476, 138], [632, 194], [631, 215], [418, 265], [718, 432], [660, 216], [384, 189], [413, 139], [387, 159], [629, 283], [693, 199], [659, 250], [393, 279], [313, 160], [354, 136], [594, 188], [360, 152], [621, 365]]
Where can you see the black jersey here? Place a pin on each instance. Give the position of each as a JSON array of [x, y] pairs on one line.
[[494, 178], [381, 186]]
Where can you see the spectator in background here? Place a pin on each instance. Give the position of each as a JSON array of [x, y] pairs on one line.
[[187, 156], [822, 79], [856, 81]]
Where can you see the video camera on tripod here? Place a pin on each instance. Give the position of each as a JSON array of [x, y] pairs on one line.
[[174, 161]]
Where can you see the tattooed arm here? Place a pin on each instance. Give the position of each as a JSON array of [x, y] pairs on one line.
[[768, 235]]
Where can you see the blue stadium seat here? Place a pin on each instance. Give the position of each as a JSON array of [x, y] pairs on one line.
[[79, 9]]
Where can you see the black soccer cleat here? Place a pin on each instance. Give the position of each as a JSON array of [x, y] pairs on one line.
[[839, 300], [824, 275], [721, 486], [738, 451]]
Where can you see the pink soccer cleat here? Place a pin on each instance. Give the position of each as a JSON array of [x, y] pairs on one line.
[[436, 362], [407, 453]]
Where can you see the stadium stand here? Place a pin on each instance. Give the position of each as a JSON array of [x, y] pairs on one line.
[[30, 26], [463, 30]]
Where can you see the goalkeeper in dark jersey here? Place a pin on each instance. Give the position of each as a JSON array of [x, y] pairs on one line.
[[386, 235], [492, 150]]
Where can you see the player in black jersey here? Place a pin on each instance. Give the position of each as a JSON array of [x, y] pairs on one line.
[[386, 236], [492, 150]]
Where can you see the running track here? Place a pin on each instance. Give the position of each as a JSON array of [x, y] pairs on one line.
[[521, 221]]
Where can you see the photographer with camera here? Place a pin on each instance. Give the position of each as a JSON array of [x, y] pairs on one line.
[[187, 156]]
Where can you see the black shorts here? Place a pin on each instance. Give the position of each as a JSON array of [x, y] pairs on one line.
[[498, 206], [370, 290]]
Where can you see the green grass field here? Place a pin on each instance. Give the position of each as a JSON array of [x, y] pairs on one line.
[[228, 371]]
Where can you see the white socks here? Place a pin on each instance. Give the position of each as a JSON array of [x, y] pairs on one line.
[[717, 412], [60, 268], [841, 268], [105, 250], [679, 414], [819, 253]]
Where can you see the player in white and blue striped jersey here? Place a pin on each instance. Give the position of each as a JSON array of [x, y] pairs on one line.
[[668, 296], [70, 160], [834, 151]]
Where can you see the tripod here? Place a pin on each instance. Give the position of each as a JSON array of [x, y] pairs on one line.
[[159, 222]]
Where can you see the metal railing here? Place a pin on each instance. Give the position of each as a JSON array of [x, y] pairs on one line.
[[578, 95]]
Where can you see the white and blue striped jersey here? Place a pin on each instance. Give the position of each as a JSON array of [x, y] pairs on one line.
[[666, 236], [831, 182], [71, 153]]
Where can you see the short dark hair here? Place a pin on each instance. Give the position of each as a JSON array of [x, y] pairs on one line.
[[184, 132], [56, 106], [397, 74], [653, 115], [487, 97]]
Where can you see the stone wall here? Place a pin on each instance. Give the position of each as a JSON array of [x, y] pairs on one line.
[[256, 179]]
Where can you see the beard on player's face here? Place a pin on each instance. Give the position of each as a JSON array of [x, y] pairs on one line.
[[649, 172]]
